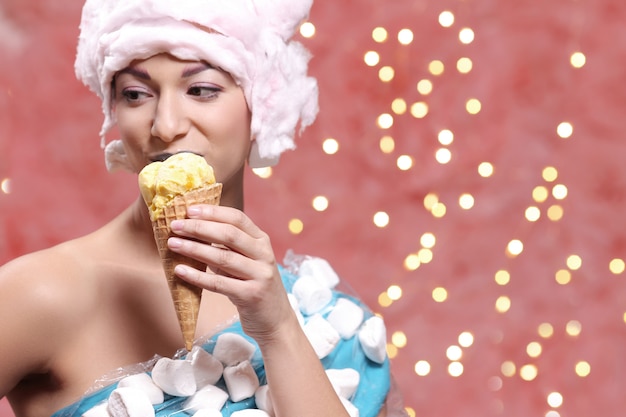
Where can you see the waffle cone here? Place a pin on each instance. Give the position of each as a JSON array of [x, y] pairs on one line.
[[186, 297]]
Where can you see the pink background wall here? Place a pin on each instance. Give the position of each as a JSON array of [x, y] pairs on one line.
[[560, 312]]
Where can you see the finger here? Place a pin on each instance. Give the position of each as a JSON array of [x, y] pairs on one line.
[[227, 215]]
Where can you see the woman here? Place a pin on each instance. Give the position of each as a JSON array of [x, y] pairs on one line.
[[220, 79]]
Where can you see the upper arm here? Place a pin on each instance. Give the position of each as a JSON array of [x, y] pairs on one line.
[[34, 315]]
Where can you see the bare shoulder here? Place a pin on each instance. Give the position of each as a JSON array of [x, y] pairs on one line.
[[43, 296]]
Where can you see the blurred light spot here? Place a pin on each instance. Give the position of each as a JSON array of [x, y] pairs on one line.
[[574, 262], [387, 144], [439, 210], [422, 368], [533, 349], [379, 34], [508, 369], [445, 137], [454, 353], [466, 36], [428, 240], [494, 383], [410, 411], [425, 255], [440, 294], [540, 194], [583, 369], [394, 292], [405, 36], [424, 87], [473, 106], [502, 277], [381, 219], [399, 106], [455, 369], [307, 29], [565, 130], [555, 399], [436, 67], [466, 201], [563, 276], [385, 121], [617, 266], [550, 174], [555, 213], [485, 169], [573, 328], [419, 110], [466, 339], [371, 58], [446, 19], [503, 304], [528, 372], [399, 339], [532, 214], [464, 65], [553, 413], [296, 226], [514, 247], [392, 351], [443, 155], [330, 146], [404, 162], [264, 173], [320, 203], [545, 330], [430, 200], [384, 300], [578, 60], [386, 74], [5, 186], [412, 262], [559, 191]]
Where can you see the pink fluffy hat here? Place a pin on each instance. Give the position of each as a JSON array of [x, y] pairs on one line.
[[250, 39]]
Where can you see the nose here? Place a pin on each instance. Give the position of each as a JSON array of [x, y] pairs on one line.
[[170, 121]]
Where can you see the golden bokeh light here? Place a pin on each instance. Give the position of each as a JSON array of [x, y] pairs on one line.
[[379, 34], [555, 399], [573, 328], [473, 106], [320, 203], [387, 144], [307, 30], [265, 172], [466, 339], [404, 162], [617, 266], [503, 304], [528, 372], [578, 60], [485, 169], [508, 369], [371, 58], [428, 240], [446, 18], [399, 106], [330, 146], [466, 36], [466, 201], [385, 121], [582, 369], [419, 110], [443, 155], [455, 369], [386, 74], [425, 87], [296, 226], [445, 137], [436, 67], [440, 294], [565, 130], [545, 330], [502, 277], [464, 65], [422, 368]]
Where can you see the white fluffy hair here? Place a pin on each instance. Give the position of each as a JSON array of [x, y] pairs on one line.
[[250, 39]]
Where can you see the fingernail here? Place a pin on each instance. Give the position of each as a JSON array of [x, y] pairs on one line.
[[180, 270], [174, 242], [176, 225], [193, 211]]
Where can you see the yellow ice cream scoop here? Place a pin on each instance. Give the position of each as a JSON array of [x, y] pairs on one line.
[[160, 182]]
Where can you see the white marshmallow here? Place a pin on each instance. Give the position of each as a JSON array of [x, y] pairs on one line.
[[209, 397], [350, 408], [250, 412], [295, 306], [129, 402], [241, 381], [144, 383], [263, 399], [174, 377], [207, 412], [207, 370], [232, 348], [344, 381], [321, 270], [346, 317], [312, 295], [322, 336], [373, 338], [99, 410]]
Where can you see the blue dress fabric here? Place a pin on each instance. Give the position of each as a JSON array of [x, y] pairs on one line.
[[369, 398]]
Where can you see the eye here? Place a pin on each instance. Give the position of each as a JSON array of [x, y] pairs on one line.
[[133, 95], [204, 91]]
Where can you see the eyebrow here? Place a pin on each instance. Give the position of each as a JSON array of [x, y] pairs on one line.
[[187, 72]]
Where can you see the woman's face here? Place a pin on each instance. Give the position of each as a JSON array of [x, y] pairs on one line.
[[164, 105]]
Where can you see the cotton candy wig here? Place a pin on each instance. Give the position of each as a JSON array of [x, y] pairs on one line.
[[250, 39]]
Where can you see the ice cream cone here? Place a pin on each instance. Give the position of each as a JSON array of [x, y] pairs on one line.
[[186, 297]]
